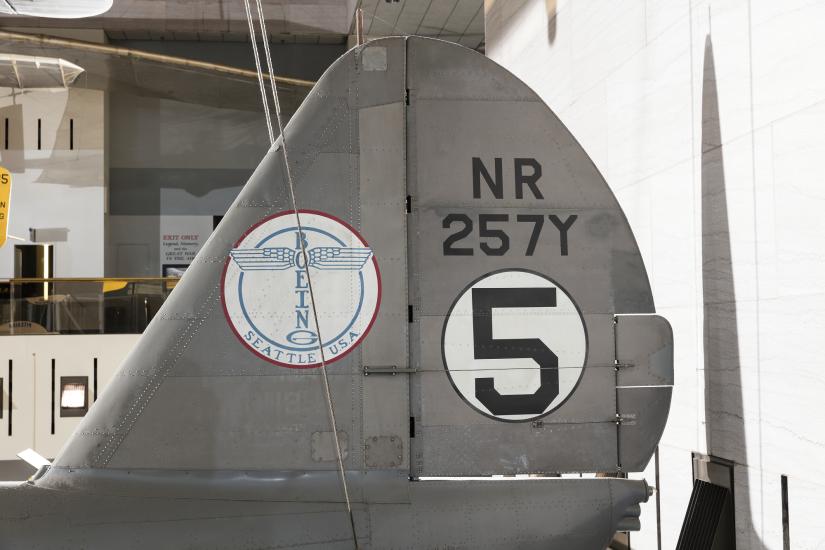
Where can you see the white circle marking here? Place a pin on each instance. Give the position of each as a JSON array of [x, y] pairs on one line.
[[561, 328]]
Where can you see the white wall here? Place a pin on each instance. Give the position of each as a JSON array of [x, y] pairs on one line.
[[29, 361], [170, 159], [744, 287], [55, 186]]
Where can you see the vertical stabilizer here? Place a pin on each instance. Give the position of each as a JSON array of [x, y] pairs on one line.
[[473, 276]]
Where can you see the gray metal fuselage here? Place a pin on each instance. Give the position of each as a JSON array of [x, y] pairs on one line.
[[305, 511]]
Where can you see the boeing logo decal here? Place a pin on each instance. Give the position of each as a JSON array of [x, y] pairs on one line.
[[266, 292]]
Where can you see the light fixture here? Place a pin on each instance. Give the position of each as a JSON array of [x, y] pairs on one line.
[[74, 395], [28, 71]]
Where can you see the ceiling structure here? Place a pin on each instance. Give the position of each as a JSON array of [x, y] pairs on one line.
[[112, 68], [460, 21], [288, 21], [117, 66], [313, 21]]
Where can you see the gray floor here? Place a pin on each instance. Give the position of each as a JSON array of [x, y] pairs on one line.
[[14, 470]]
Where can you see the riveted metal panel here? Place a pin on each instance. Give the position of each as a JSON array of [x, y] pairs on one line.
[[643, 411], [191, 395], [323, 446], [383, 210], [516, 193], [644, 348], [384, 451]]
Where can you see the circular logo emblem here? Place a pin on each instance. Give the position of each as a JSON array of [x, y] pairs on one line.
[[266, 289], [514, 345]]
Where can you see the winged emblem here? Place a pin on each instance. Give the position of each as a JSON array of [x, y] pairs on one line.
[[321, 257], [263, 259]]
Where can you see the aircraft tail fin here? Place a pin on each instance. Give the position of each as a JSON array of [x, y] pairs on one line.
[[482, 305]]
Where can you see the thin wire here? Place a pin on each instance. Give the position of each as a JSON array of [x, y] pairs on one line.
[[273, 84], [328, 394], [260, 73], [394, 27], [441, 370]]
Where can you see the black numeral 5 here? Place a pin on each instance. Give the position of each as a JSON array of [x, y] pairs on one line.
[[486, 347]]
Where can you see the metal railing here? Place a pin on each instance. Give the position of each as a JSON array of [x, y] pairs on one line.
[[81, 305]]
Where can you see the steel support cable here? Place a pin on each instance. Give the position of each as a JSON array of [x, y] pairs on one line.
[[264, 97], [293, 200]]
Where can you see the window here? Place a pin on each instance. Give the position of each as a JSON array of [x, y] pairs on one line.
[[74, 395]]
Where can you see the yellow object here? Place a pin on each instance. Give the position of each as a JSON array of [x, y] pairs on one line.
[[5, 198], [111, 285]]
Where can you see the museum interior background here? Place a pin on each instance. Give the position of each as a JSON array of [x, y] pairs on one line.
[[704, 116]]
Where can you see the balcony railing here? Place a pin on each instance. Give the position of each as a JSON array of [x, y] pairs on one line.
[[81, 305]]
